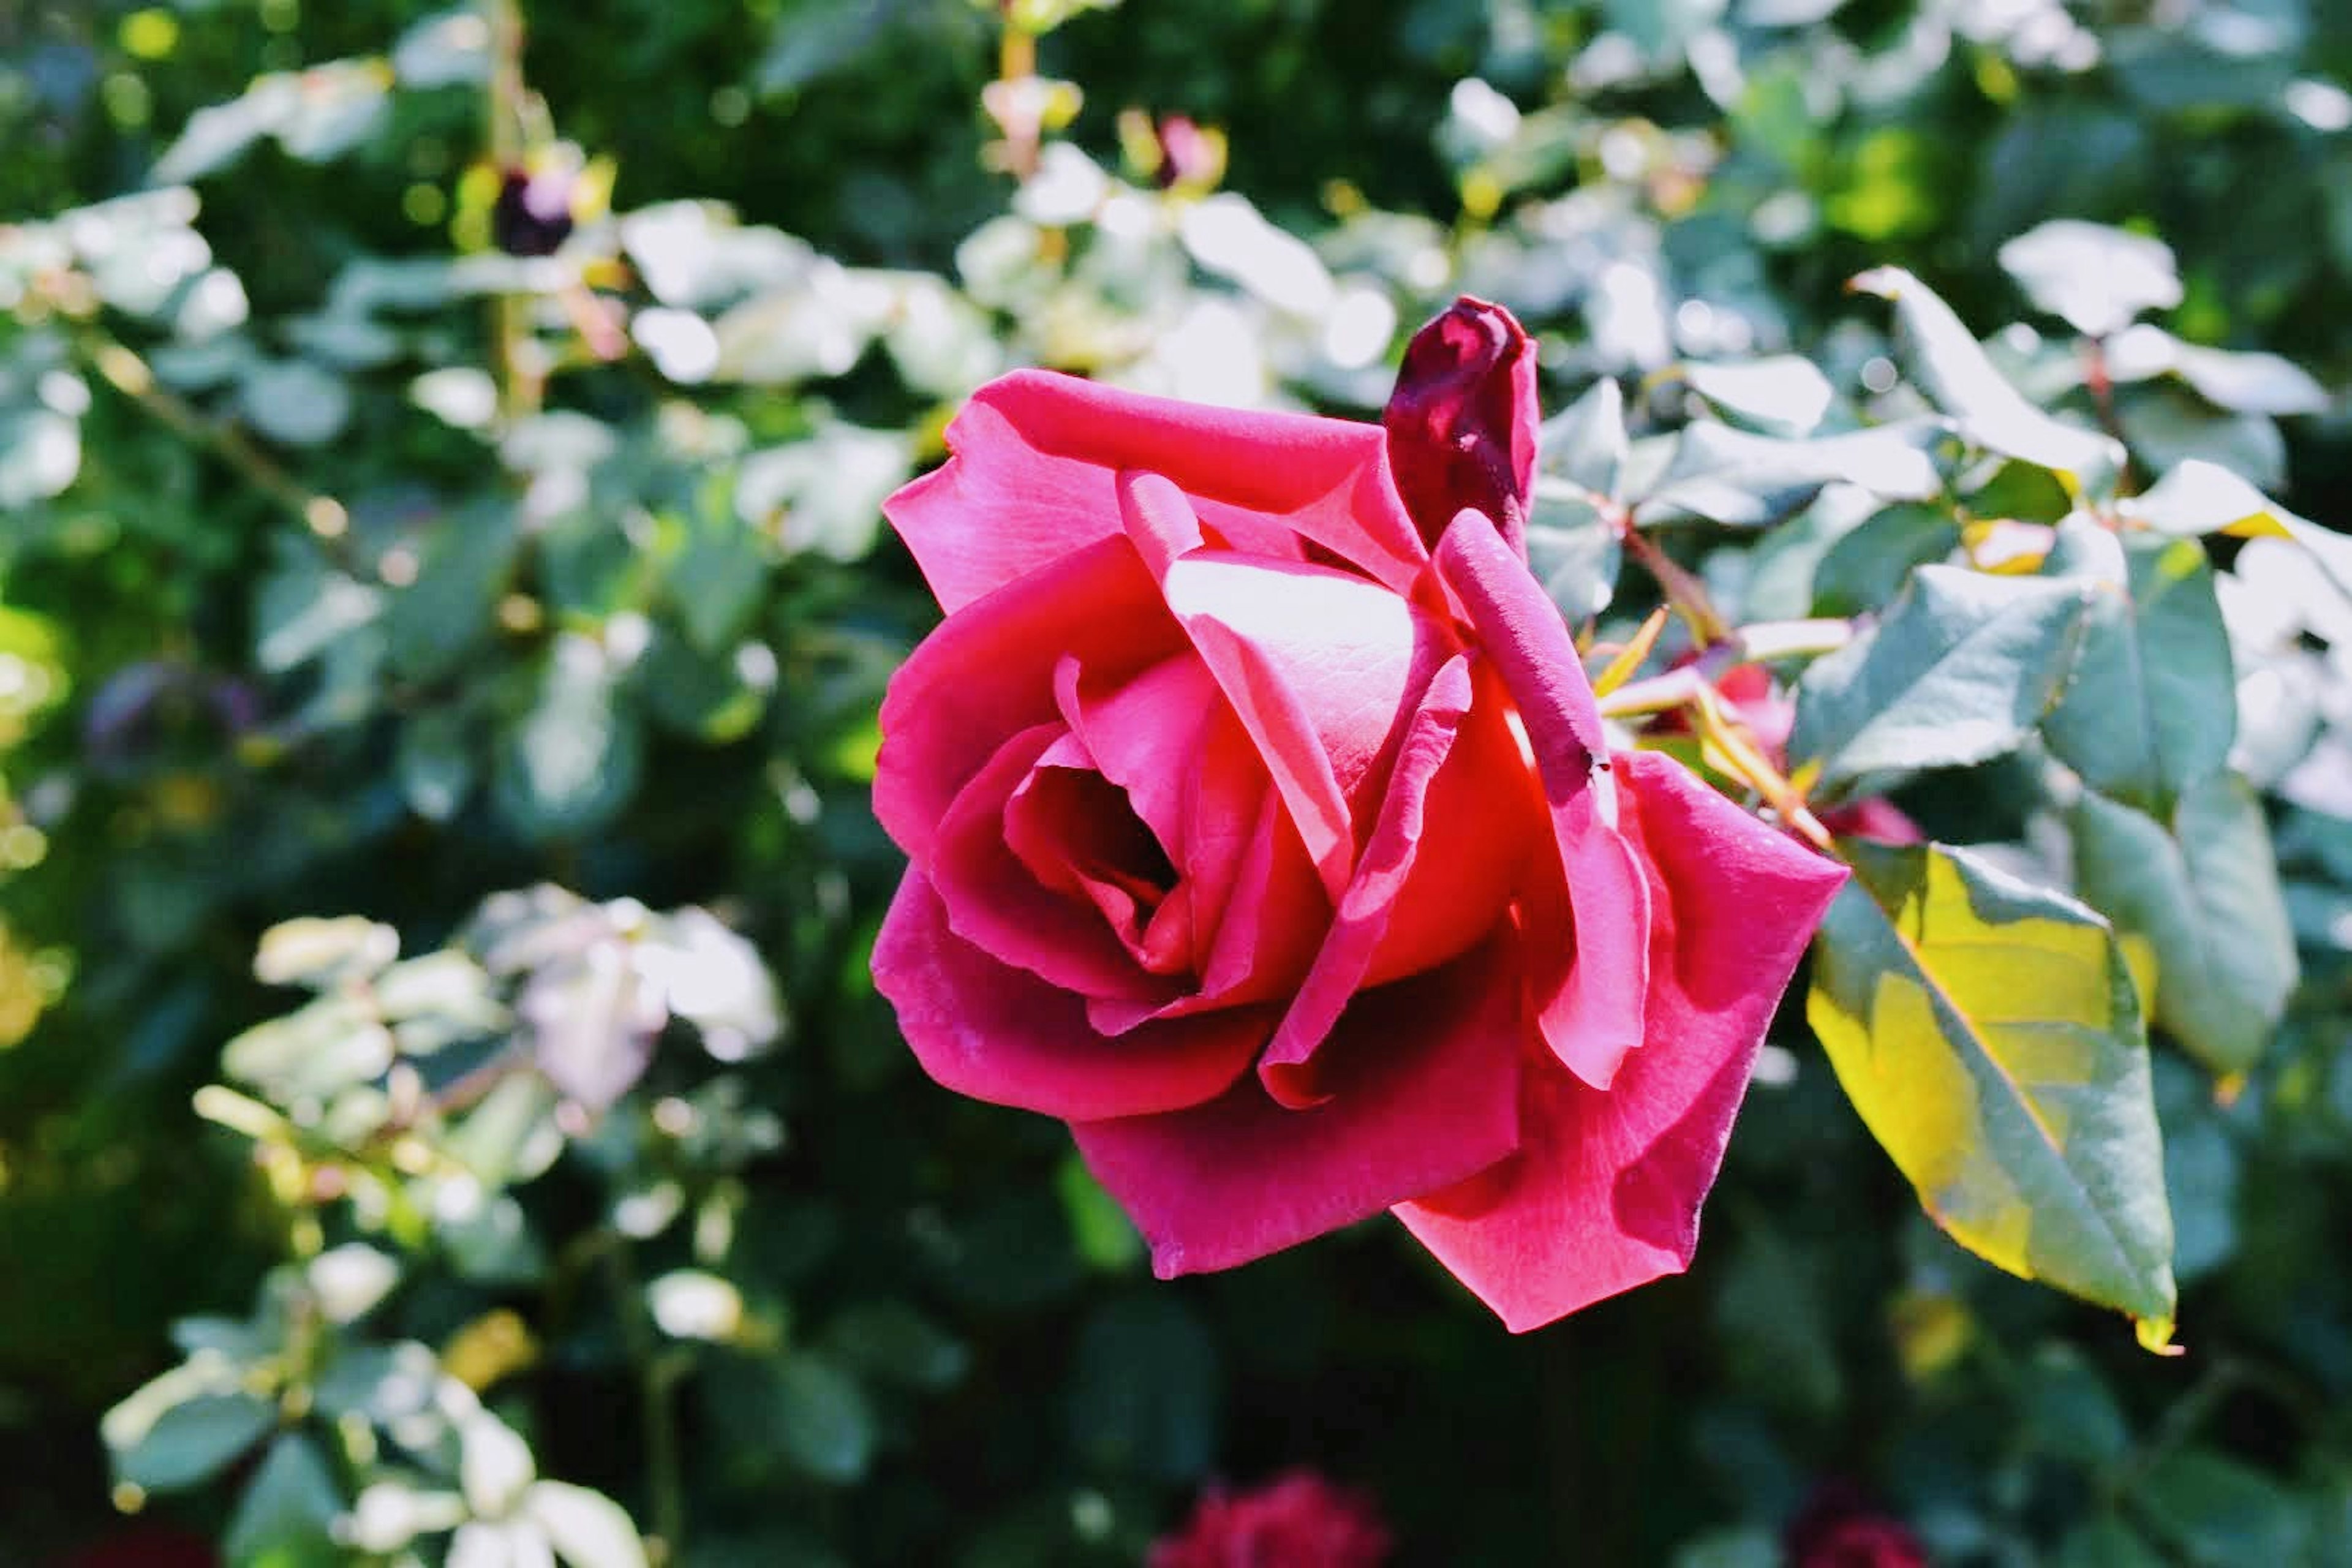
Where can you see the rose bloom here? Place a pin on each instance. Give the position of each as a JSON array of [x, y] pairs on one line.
[[1297, 1520], [1263, 829], [1837, 1528]]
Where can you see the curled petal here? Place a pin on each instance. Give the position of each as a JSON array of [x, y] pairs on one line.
[[1000, 1034], [1324, 670], [996, 899], [1037, 458], [1604, 1192], [1407, 910], [1462, 422], [988, 673], [1587, 910], [1425, 1087]]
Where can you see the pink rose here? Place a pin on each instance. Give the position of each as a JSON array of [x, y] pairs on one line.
[[1263, 830], [1298, 1521], [1837, 1528]]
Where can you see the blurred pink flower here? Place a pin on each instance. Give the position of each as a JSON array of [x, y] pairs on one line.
[[1295, 1520]]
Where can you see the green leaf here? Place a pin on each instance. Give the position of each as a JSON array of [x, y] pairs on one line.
[[587, 1529], [1572, 549], [295, 402], [1864, 567], [1783, 395], [324, 952], [286, 1515], [1731, 476], [1103, 1234], [2152, 707], [890, 1340], [2069, 1411], [448, 49], [2241, 380], [2206, 895], [1960, 671], [2167, 426], [716, 578], [2219, 1513], [2200, 1171], [824, 493], [186, 1441], [1963, 383], [468, 557], [435, 763], [2098, 278], [1988, 1034], [1585, 442], [2107, 1542], [40, 455], [1143, 1396], [2205, 497], [573, 760], [822, 1419], [326, 1044]]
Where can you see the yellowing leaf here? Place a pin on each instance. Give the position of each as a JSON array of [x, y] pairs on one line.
[[1989, 1035]]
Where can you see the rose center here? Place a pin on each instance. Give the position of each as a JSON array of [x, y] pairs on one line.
[[1078, 834]]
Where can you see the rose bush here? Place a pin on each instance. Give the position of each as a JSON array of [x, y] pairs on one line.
[[1263, 828]]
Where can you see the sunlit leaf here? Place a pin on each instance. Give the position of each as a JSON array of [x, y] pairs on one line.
[[1955, 373], [587, 1529], [2243, 380], [1961, 670], [2205, 893], [1585, 443], [1732, 476], [1572, 549], [2098, 278], [1988, 1034], [1784, 396], [2204, 498], [2152, 706], [573, 760], [329, 1044], [294, 402], [321, 952], [188, 1439]]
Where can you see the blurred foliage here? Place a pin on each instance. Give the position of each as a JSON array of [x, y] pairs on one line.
[[435, 462]]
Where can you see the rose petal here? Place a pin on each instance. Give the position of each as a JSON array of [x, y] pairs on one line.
[[988, 672], [999, 1034], [1260, 937], [1076, 833], [997, 903], [1427, 1095], [1406, 910], [1461, 423], [1605, 1189], [1324, 670], [1033, 480], [1584, 917]]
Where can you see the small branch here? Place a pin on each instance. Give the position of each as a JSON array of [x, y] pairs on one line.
[[123, 369], [2097, 376], [665, 1475]]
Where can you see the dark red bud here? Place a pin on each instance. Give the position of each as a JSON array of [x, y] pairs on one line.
[[1461, 421], [533, 215]]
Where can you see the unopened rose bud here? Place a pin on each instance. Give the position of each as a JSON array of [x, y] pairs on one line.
[[533, 215]]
